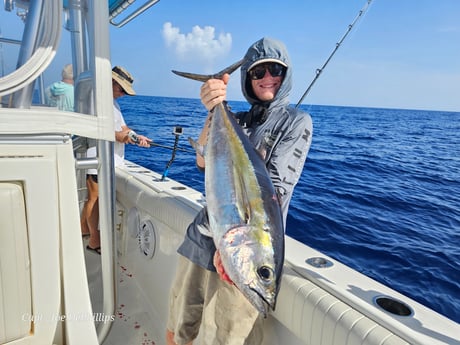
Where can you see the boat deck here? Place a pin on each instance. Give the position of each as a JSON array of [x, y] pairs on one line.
[[132, 324]]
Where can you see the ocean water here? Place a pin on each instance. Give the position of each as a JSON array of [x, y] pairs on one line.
[[380, 190]]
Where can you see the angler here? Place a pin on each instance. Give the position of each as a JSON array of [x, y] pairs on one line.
[[246, 215]]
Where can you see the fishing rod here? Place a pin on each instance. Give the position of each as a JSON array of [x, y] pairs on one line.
[[337, 46], [177, 131], [152, 144]]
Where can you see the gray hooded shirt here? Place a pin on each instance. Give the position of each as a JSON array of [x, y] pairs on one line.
[[279, 132]]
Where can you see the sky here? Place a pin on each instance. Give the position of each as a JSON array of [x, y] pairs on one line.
[[400, 54]]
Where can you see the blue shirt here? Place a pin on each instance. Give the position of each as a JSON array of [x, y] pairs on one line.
[[60, 95]]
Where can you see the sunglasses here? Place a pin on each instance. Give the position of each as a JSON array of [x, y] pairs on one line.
[[275, 70]]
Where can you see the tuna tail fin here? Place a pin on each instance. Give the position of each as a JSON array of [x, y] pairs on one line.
[[204, 77], [197, 147]]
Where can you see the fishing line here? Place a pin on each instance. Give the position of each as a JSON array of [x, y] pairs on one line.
[[337, 46]]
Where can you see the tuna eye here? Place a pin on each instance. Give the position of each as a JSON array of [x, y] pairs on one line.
[[266, 273]]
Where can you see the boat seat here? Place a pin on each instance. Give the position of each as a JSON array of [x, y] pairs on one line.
[[15, 289], [29, 255]]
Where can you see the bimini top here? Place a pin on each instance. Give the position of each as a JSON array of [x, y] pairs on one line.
[[118, 6]]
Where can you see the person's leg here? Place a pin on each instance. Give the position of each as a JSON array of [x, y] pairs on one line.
[[199, 298], [92, 212], [186, 302], [83, 220], [228, 317]]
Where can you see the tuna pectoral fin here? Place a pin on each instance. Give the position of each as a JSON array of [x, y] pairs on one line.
[[204, 77], [197, 147]]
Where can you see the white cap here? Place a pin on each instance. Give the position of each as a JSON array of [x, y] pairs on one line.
[[258, 62]]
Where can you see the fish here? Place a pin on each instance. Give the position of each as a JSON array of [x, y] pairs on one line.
[[244, 211]]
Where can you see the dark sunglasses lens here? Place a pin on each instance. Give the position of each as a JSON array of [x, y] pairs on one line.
[[257, 72], [274, 69]]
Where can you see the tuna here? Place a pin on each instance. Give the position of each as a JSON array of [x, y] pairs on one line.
[[245, 216]]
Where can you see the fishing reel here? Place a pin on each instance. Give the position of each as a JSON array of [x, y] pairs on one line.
[[133, 136]]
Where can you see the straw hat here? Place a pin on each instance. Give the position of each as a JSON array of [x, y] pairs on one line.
[[124, 79]]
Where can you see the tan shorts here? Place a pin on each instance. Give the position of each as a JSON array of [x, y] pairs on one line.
[[199, 298]]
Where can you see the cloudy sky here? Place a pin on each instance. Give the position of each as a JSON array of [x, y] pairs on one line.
[[401, 54]]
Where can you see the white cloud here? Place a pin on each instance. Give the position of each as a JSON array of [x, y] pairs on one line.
[[201, 43]]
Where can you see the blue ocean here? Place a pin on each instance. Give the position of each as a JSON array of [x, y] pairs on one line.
[[380, 190]]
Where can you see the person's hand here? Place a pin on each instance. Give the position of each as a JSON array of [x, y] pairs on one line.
[[137, 139], [122, 136], [220, 268], [214, 91], [143, 141]]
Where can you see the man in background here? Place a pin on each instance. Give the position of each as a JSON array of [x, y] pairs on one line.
[[60, 94], [122, 85]]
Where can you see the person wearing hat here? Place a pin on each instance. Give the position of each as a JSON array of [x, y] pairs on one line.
[[202, 294], [122, 84], [60, 94]]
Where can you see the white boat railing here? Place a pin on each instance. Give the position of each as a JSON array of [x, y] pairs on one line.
[[38, 48]]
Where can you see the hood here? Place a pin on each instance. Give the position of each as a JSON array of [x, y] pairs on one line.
[[267, 48], [60, 88]]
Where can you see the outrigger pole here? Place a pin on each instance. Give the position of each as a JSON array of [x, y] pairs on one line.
[[337, 46]]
